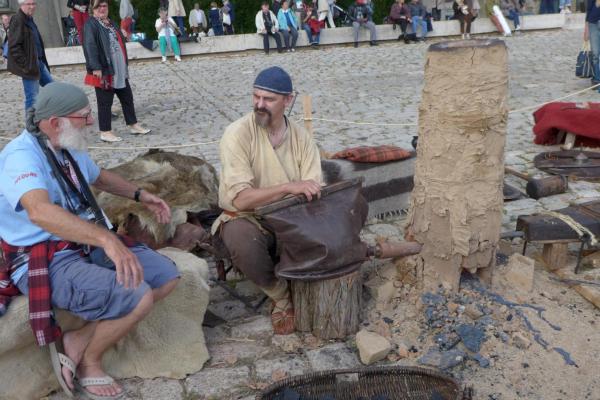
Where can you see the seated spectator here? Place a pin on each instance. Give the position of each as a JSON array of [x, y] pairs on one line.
[[400, 15], [267, 25], [126, 14], [216, 21], [166, 27], [198, 20], [417, 14], [314, 25], [227, 24], [489, 9], [512, 10], [287, 26], [564, 6], [362, 16], [463, 12]]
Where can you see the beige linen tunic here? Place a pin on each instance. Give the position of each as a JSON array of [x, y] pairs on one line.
[[248, 160]]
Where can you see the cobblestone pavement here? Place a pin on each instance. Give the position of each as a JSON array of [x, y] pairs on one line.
[[195, 100]]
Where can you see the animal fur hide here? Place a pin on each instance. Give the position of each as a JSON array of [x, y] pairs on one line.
[[188, 185]]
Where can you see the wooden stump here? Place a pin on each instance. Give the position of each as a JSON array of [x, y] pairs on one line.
[[555, 255], [330, 309], [457, 201]]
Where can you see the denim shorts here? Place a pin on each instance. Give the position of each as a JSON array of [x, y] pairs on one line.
[[92, 293]]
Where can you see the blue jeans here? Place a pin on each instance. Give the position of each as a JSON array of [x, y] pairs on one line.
[[547, 7], [311, 38], [594, 30], [32, 86], [416, 21], [513, 15], [180, 25]]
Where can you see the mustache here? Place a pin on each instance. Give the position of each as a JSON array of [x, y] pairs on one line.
[[263, 110]]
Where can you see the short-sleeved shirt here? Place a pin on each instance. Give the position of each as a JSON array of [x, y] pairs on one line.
[[23, 167], [248, 160]]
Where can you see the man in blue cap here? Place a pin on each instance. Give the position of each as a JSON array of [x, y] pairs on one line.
[[264, 157]]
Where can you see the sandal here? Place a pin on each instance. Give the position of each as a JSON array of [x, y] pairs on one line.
[[58, 361], [108, 136], [103, 380], [283, 318]]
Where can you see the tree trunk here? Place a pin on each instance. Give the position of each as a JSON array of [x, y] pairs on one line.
[[456, 204], [330, 309]]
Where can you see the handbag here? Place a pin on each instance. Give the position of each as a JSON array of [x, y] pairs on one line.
[[584, 68]]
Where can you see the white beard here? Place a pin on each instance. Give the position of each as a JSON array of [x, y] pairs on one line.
[[71, 138]]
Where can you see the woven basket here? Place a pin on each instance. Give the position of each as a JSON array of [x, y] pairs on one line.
[[394, 383]]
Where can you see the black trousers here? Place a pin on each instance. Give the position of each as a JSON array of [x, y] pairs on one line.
[[105, 98], [277, 38]]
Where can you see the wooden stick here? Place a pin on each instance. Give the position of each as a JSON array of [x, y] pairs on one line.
[[307, 109]]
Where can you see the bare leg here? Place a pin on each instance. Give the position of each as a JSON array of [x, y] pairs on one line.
[[107, 333], [163, 291], [75, 343]]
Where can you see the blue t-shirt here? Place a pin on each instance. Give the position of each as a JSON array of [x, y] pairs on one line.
[[23, 167]]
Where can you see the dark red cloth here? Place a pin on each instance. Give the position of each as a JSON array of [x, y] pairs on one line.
[[552, 118], [44, 328], [41, 318], [374, 154], [80, 20]]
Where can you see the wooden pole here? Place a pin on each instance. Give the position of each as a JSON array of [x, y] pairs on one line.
[[456, 205], [307, 110]]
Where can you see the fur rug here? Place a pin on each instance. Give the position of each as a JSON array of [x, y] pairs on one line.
[[188, 185]]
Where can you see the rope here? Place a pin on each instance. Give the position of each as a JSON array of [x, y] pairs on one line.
[[334, 121], [576, 226]]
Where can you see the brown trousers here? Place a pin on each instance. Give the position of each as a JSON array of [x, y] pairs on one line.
[[252, 251]]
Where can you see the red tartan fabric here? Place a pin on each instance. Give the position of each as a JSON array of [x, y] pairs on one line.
[[41, 318], [569, 117], [374, 154]]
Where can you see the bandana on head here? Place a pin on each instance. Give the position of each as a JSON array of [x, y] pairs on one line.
[[56, 99], [275, 80]]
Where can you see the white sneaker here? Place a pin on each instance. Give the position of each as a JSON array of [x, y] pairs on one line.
[[177, 58], [518, 28], [164, 59], [468, 36], [463, 36]]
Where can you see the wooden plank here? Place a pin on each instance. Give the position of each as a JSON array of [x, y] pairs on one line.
[[555, 255], [591, 294], [307, 110]]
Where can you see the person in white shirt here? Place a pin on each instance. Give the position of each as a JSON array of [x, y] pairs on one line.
[[198, 20], [166, 27], [227, 24], [267, 25]]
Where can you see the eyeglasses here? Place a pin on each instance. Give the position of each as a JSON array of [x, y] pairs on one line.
[[86, 116], [102, 6]]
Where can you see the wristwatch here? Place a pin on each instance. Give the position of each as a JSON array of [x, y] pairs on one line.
[[136, 195]]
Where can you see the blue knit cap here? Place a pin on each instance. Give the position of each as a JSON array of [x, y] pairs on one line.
[[274, 79]]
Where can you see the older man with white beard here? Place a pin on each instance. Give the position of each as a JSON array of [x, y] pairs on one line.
[[264, 157], [59, 246]]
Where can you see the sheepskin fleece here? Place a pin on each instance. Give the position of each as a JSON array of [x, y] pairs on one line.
[[186, 183], [168, 343]]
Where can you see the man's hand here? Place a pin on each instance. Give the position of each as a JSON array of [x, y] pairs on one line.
[[129, 269], [309, 188], [161, 210], [97, 73]]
